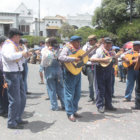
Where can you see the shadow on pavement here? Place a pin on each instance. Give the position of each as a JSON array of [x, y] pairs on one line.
[[38, 126], [34, 95], [120, 111], [119, 97], [84, 92], [28, 105], [27, 115], [90, 117]]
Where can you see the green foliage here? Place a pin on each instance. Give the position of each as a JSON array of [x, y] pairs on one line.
[[66, 30], [129, 32], [112, 13], [34, 40], [84, 32]]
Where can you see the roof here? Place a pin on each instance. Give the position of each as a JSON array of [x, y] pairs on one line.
[[52, 27], [6, 21], [51, 17]]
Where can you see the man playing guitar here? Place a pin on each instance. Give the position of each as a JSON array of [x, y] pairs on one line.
[[131, 73], [103, 76]]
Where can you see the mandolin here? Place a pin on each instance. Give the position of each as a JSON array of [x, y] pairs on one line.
[[111, 59], [76, 67]]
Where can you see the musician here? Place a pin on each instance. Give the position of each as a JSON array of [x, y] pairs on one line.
[[12, 67], [53, 73], [72, 83], [89, 66], [3, 91], [103, 76], [41, 46], [131, 73], [137, 89], [23, 46]]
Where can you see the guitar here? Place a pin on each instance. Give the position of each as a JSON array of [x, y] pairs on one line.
[[111, 59], [76, 67], [130, 57], [137, 65]]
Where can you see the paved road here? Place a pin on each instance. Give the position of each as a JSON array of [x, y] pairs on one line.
[[45, 124]]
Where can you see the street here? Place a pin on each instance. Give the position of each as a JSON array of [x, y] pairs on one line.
[[44, 124]]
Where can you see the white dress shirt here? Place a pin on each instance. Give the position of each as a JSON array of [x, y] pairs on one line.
[[9, 57]]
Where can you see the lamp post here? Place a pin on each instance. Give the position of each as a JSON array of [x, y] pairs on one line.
[[39, 17]]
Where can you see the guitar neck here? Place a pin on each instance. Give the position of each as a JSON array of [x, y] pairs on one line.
[[93, 48]]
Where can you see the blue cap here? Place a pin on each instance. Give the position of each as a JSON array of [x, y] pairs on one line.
[[75, 38], [136, 43]]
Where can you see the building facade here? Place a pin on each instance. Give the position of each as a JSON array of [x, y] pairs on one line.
[[7, 21], [48, 26]]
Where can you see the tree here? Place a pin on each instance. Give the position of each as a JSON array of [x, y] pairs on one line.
[[66, 30], [112, 13], [129, 32]]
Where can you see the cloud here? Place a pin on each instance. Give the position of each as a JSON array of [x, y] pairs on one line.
[[53, 7], [89, 8]]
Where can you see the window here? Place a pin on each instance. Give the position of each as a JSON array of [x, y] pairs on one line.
[[27, 28]]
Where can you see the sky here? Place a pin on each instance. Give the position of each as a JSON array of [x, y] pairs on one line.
[[53, 7]]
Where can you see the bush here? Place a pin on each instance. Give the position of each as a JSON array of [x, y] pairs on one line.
[[34, 40]]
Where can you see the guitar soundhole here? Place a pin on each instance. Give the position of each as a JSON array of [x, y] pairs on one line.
[[133, 58]]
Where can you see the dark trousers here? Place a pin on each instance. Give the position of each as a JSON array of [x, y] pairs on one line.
[[3, 96], [137, 92], [16, 97], [103, 86], [90, 75]]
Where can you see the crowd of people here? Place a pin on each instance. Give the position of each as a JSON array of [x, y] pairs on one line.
[[60, 68]]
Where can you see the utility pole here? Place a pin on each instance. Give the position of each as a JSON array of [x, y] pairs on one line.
[[130, 11], [39, 17]]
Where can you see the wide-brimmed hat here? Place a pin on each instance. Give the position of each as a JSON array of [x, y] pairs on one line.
[[107, 40]]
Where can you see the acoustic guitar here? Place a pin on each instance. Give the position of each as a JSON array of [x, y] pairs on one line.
[[137, 65], [111, 59], [130, 57], [76, 67]]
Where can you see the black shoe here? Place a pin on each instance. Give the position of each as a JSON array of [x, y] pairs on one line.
[[72, 118], [113, 96], [47, 98], [63, 108], [126, 100], [28, 93], [1, 114], [76, 115], [90, 100], [23, 122], [135, 108], [101, 110], [5, 115], [16, 127], [110, 108]]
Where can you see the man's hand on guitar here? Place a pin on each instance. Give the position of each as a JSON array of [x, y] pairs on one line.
[[77, 59], [106, 60]]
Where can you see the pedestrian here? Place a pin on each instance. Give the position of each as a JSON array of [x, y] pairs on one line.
[[53, 73], [89, 67], [41, 69], [12, 67], [3, 90], [72, 83], [103, 76], [137, 88]]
